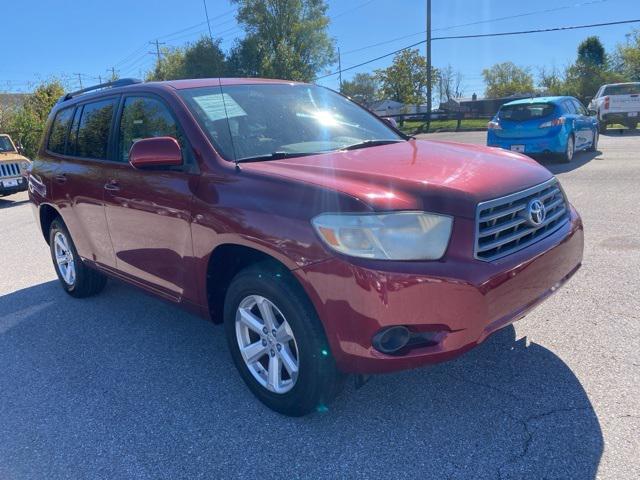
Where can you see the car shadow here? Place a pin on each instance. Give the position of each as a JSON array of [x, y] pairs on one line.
[[7, 203], [621, 132], [556, 166], [123, 385]]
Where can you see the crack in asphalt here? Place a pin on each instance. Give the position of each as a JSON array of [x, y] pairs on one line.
[[529, 434]]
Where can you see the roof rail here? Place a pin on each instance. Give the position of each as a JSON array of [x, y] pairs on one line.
[[116, 83]]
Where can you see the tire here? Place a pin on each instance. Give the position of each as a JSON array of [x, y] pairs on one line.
[[594, 143], [602, 127], [570, 151], [303, 344], [76, 278]]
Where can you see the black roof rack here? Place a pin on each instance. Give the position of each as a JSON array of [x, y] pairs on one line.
[[122, 82]]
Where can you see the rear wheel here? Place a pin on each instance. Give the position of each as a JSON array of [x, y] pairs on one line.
[[570, 151], [76, 278], [277, 342]]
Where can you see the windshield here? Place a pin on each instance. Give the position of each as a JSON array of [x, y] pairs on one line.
[[523, 112], [6, 145], [245, 121], [627, 89]]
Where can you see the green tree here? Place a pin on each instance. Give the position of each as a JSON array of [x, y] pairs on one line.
[[363, 88], [244, 58], [590, 70], [592, 52], [26, 124], [506, 79], [405, 80], [627, 57], [201, 59], [289, 37], [551, 82]]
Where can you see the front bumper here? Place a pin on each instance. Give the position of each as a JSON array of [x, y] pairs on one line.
[[463, 299], [20, 187]]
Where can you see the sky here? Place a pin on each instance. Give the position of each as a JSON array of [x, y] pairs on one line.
[[64, 38]]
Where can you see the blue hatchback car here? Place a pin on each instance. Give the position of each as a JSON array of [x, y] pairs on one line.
[[544, 125]]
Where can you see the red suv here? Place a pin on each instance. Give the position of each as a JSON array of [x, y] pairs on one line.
[[325, 240]]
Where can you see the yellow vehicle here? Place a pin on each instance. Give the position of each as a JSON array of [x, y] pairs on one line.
[[13, 167]]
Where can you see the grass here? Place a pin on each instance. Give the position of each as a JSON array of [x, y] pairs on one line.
[[412, 126]]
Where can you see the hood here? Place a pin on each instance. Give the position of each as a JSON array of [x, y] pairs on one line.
[[435, 176], [11, 157]]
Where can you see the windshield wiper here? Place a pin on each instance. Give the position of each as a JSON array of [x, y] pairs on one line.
[[276, 156], [370, 143]]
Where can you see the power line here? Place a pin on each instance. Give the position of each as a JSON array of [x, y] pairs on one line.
[[479, 22], [352, 9], [484, 35]]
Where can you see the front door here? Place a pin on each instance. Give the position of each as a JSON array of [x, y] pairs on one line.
[[149, 211]]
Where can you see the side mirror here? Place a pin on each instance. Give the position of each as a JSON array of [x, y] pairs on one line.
[[391, 121], [155, 152]]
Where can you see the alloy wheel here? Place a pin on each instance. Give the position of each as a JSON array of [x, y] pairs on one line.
[[64, 258], [267, 344]]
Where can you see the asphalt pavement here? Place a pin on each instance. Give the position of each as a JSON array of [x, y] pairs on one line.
[[124, 385]]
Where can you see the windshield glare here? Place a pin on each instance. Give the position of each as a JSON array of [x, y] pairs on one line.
[[246, 121]]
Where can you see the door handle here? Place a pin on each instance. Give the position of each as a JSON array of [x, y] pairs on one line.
[[112, 186], [61, 178]]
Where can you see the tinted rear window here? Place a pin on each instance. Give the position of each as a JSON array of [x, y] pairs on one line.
[[94, 128], [631, 89], [59, 129], [523, 112]]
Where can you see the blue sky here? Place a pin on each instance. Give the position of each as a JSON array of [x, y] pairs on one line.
[[44, 38]]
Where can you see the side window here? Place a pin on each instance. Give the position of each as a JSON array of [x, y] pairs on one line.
[[59, 129], [569, 107], [144, 117], [579, 107], [94, 128]]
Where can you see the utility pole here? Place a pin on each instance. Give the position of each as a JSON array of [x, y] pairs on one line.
[[99, 79], [113, 73], [340, 69], [428, 65], [79, 79], [158, 54], [206, 14]]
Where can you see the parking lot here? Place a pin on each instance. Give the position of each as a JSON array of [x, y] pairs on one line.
[[123, 385]]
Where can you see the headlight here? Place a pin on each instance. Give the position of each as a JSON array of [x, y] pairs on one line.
[[24, 165], [386, 236]]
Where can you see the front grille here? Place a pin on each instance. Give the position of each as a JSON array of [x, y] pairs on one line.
[[9, 169], [504, 226]]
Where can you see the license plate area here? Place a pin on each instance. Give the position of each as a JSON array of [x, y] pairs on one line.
[[10, 183], [517, 148], [632, 114]]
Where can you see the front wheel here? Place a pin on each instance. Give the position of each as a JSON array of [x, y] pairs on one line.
[[570, 151], [76, 278], [277, 342]]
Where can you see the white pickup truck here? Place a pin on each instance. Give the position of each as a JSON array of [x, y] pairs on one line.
[[617, 103]]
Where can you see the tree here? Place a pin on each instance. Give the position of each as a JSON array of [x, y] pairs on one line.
[[591, 52], [506, 79], [449, 84], [405, 81], [590, 70], [363, 88], [289, 37], [243, 59], [551, 82], [201, 59], [26, 124], [627, 57]]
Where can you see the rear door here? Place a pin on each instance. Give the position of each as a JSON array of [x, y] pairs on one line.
[[149, 211], [79, 145]]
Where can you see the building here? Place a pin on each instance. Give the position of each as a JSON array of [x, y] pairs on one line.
[[474, 106]]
